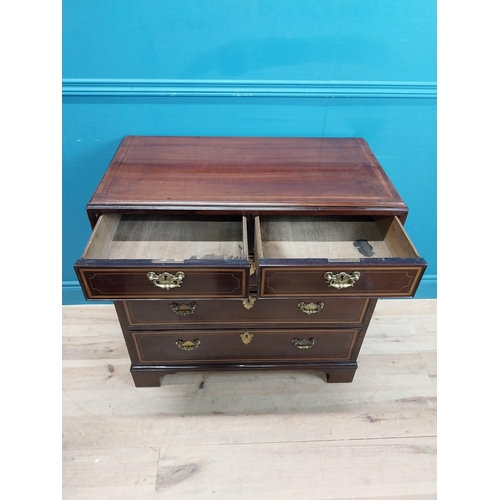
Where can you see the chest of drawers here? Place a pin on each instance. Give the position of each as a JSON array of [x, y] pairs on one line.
[[246, 253]]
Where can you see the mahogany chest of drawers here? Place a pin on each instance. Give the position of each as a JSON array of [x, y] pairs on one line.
[[232, 253]]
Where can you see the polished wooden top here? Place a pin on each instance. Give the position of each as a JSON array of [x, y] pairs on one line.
[[246, 174]]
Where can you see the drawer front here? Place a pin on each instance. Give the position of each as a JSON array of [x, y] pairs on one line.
[[334, 256], [162, 313], [135, 283], [359, 281], [246, 345], [133, 256]]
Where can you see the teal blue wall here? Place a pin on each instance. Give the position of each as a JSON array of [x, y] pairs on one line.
[[349, 68]]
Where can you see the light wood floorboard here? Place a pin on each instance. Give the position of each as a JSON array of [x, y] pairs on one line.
[[252, 435]]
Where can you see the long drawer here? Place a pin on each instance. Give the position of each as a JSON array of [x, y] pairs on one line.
[[289, 312], [157, 347]]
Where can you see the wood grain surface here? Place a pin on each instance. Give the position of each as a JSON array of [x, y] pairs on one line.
[[246, 173]]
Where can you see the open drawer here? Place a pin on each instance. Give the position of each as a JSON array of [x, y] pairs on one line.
[[335, 256], [165, 256]]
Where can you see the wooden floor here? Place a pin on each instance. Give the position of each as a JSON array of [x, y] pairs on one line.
[[252, 435]]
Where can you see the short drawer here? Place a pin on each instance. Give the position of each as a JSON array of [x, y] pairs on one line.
[[178, 314], [164, 256], [157, 347], [331, 256]]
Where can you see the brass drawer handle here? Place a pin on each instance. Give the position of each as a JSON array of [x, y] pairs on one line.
[[183, 309], [166, 280], [311, 308], [188, 345], [341, 280], [303, 343]]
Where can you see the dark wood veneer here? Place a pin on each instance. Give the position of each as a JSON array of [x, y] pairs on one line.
[[249, 177], [246, 174], [219, 346], [107, 282], [381, 281], [219, 312]]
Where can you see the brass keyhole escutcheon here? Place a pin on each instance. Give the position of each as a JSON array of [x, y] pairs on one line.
[[246, 337], [253, 266], [249, 303]]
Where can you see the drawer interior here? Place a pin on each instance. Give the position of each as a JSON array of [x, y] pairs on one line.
[[168, 238], [332, 237]]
